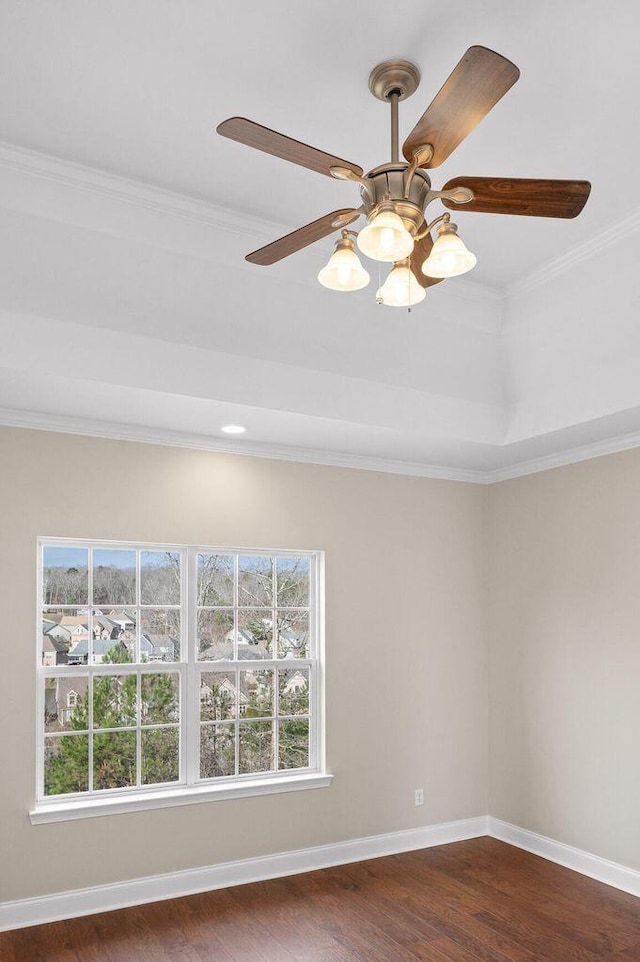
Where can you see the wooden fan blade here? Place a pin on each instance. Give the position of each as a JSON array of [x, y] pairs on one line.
[[476, 85], [271, 142], [520, 195], [421, 250], [300, 238]]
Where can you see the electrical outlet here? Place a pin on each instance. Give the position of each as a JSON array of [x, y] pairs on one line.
[[419, 796]]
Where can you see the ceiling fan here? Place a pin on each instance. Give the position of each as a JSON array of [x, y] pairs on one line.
[[395, 195]]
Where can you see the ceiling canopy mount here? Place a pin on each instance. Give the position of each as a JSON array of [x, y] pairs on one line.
[[400, 77]]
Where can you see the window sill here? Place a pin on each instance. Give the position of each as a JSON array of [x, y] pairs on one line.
[[169, 798]]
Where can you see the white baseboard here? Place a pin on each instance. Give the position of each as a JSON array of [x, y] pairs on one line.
[[601, 869], [104, 898]]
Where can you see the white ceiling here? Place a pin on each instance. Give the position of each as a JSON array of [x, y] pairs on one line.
[[92, 93], [137, 88]]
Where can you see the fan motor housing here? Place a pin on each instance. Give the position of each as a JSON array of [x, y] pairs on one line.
[[387, 182]]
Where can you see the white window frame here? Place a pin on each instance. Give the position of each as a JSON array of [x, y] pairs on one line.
[[190, 788]]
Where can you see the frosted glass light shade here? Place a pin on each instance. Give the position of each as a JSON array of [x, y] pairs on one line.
[[386, 238], [401, 289], [344, 272], [449, 257]]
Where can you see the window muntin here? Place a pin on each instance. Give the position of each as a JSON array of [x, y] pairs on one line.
[[188, 666]]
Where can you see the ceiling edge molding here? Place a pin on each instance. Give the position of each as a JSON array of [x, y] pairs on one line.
[[547, 462], [126, 432], [139, 433], [622, 228], [158, 199]]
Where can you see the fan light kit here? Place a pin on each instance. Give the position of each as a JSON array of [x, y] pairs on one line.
[[395, 195]]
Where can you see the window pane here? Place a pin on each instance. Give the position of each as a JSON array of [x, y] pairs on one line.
[[293, 582], [108, 638], [293, 689], [159, 634], [255, 633], [217, 751], [293, 634], [159, 578], [114, 701], [256, 747], [66, 764], [66, 704], [255, 581], [65, 577], [114, 576], [60, 628], [114, 760], [218, 695], [293, 744], [256, 693], [160, 755], [114, 635], [215, 580], [215, 634], [65, 636], [160, 696]]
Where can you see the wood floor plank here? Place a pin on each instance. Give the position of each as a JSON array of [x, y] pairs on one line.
[[596, 928], [445, 950], [293, 921], [454, 914], [475, 901], [341, 896], [523, 919]]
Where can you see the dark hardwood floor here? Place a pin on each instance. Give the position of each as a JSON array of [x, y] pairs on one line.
[[476, 901]]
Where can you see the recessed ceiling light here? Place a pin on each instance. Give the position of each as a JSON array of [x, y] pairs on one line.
[[233, 429]]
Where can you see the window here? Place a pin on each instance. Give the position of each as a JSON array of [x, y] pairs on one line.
[[179, 674]]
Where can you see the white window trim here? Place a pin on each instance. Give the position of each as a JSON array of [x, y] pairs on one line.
[[169, 798], [189, 789]]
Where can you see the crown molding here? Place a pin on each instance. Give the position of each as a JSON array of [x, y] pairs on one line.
[[125, 432], [625, 227], [113, 431], [547, 462], [70, 174]]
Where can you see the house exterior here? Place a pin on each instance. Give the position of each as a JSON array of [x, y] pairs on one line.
[[62, 696], [224, 688], [58, 631], [79, 651], [73, 622], [291, 644], [298, 682], [124, 621], [223, 650], [157, 647], [54, 650]]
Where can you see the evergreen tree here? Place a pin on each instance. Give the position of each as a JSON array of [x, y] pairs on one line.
[[114, 752]]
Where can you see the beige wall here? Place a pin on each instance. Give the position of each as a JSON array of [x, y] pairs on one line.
[[406, 645], [420, 575], [565, 655]]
